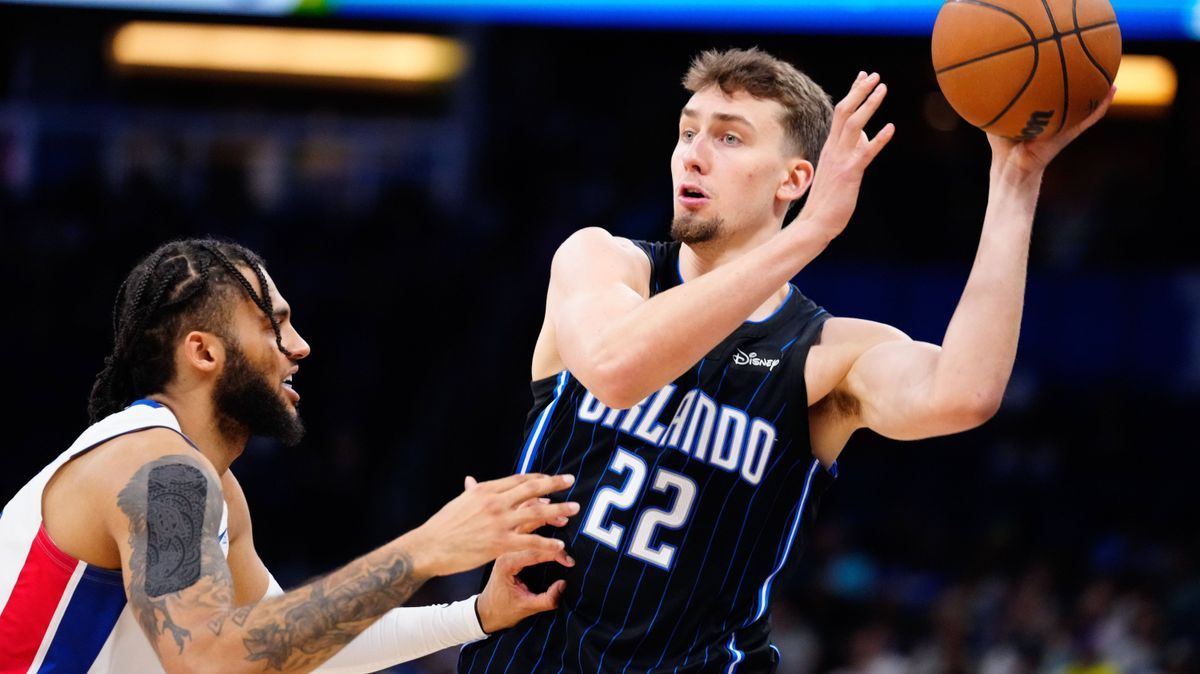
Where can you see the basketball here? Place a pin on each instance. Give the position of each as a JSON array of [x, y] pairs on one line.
[[1026, 68]]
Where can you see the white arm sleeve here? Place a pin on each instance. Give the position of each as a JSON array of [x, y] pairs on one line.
[[402, 634]]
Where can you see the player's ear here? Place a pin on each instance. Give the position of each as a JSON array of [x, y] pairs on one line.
[[797, 179], [202, 351]]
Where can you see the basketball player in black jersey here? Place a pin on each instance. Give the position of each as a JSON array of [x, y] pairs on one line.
[[702, 400]]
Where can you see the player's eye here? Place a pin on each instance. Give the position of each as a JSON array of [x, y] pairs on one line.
[[687, 134], [730, 139]]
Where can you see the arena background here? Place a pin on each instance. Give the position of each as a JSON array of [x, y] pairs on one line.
[[412, 230]]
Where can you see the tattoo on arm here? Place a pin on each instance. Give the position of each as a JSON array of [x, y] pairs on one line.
[[179, 578], [173, 515], [328, 613], [174, 523]]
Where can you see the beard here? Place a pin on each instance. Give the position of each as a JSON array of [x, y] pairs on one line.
[[247, 401], [690, 229]]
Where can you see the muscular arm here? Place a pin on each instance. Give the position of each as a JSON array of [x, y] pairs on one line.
[[623, 346], [908, 390], [911, 390]]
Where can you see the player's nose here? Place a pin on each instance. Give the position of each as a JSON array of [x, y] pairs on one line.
[[297, 346], [694, 156]]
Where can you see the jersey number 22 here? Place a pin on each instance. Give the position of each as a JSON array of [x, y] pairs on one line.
[[609, 498]]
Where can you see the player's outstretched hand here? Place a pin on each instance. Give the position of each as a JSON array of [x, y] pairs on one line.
[[845, 157], [491, 518], [506, 601], [1031, 157]]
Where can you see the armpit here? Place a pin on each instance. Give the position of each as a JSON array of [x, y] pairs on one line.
[[838, 404]]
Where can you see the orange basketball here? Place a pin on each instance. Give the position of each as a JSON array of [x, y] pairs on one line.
[[1026, 68]]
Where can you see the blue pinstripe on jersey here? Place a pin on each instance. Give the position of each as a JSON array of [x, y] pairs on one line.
[[535, 438], [765, 593]]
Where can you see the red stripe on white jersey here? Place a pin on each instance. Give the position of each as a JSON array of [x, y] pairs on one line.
[[33, 603]]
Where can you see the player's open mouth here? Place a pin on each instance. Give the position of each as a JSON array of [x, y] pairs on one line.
[[287, 386], [692, 195]]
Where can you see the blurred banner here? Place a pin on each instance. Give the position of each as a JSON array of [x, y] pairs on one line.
[[1140, 19]]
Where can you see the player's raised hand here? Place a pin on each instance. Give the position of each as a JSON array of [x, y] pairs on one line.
[[1031, 157], [845, 157], [491, 518], [506, 600]]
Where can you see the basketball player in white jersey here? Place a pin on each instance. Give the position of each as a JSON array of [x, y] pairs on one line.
[[132, 552]]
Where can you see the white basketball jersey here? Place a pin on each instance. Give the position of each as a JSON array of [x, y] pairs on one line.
[[58, 614]]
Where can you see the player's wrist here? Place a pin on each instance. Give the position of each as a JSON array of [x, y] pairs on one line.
[[808, 233], [422, 550], [485, 626]]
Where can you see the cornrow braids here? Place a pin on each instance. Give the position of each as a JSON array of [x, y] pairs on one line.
[[181, 286], [261, 301]]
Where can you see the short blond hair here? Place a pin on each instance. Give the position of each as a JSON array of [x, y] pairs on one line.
[[808, 110]]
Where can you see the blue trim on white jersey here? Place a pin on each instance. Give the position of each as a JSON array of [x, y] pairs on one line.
[[535, 438], [764, 593], [147, 402], [87, 622]]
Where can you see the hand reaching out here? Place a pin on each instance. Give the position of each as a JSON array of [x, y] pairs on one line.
[[492, 518]]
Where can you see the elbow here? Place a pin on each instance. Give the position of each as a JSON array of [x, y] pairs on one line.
[[974, 408], [613, 384]]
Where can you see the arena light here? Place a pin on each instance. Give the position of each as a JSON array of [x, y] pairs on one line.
[[1145, 82], [328, 55]]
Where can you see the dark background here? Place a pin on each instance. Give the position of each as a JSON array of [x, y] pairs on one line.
[[412, 235]]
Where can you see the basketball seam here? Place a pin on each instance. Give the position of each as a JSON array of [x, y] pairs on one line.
[[1032, 42], [1036, 43], [1083, 45], [1013, 15], [1062, 59]]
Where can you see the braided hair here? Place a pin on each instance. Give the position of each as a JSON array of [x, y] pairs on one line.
[[182, 286]]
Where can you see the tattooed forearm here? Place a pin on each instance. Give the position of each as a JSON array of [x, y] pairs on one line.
[[331, 611]]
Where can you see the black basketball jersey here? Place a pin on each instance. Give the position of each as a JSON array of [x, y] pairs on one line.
[[692, 502]]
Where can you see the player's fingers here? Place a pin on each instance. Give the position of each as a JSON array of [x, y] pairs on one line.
[[542, 485], [1056, 143], [469, 483], [513, 563], [1096, 115], [534, 525], [534, 501], [880, 140], [550, 598], [534, 517], [840, 112], [563, 558], [859, 91], [506, 483], [534, 543], [858, 120]]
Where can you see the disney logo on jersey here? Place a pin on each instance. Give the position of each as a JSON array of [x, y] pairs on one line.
[[756, 361]]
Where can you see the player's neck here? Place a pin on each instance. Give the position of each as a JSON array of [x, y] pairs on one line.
[[198, 420], [697, 259]]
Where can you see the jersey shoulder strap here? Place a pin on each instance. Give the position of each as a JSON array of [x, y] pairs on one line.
[[664, 263]]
